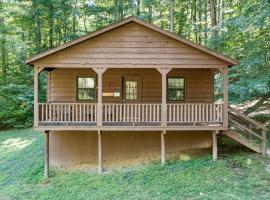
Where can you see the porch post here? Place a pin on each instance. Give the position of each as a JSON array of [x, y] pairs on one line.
[[163, 151], [225, 96], [36, 111], [214, 145], [37, 70], [46, 166], [164, 72], [100, 153], [99, 72]]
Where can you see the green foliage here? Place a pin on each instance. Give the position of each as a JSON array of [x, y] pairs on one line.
[[246, 37], [242, 175], [16, 106]]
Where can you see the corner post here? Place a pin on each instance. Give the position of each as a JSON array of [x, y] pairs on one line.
[[36, 110], [164, 72], [163, 151], [46, 166], [100, 153], [225, 96], [37, 70], [99, 72], [214, 145], [264, 143]]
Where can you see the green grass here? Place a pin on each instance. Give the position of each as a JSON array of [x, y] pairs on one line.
[[238, 174]]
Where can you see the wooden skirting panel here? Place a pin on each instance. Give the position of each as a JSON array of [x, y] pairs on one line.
[[70, 148]]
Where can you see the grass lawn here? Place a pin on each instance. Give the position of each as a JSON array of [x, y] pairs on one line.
[[238, 174]]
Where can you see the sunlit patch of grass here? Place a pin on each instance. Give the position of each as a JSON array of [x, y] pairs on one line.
[[14, 144]]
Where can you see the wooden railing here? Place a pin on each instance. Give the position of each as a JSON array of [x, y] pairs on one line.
[[115, 114], [195, 113], [136, 113], [248, 128], [67, 112]]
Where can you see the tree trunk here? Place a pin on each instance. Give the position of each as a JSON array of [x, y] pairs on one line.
[[84, 23], [3, 51], [200, 21], [150, 15], [213, 15], [51, 24], [138, 6], [38, 26], [172, 16], [230, 6], [205, 22], [74, 19], [222, 13], [194, 20]]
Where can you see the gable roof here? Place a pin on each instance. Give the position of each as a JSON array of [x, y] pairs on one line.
[[125, 21]]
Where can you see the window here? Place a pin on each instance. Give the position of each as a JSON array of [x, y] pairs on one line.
[[131, 90], [176, 89], [86, 88]]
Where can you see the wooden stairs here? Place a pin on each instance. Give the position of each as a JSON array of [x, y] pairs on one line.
[[247, 131]]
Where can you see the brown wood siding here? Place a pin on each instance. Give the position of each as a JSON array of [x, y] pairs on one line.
[[199, 84], [69, 148], [131, 45]]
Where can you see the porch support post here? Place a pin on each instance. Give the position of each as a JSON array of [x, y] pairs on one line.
[[36, 113], [99, 72], [163, 151], [46, 166], [37, 70], [225, 95], [214, 145], [100, 153], [264, 143], [164, 72]]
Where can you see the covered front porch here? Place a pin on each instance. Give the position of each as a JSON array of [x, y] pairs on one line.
[[146, 106]]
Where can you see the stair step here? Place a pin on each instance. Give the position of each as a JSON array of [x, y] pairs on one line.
[[249, 143]]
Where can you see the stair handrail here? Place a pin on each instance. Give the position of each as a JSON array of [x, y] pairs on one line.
[[259, 125], [236, 113]]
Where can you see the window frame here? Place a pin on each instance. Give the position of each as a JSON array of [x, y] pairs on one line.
[[125, 88], [77, 88], [184, 89]]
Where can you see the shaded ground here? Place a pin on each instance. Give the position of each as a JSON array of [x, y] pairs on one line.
[[238, 174]]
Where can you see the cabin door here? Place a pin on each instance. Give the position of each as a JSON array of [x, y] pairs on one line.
[[131, 89]]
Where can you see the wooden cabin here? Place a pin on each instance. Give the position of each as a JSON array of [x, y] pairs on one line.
[[127, 90]]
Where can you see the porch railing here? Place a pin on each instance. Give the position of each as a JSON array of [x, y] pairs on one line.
[[135, 113], [195, 113], [189, 114], [67, 112]]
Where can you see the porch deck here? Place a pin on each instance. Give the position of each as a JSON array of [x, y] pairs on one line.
[[84, 116]]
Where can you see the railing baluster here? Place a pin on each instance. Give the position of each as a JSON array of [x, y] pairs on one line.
[[42, 112], [218, 114]]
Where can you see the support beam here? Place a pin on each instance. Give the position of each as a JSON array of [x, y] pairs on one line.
[[163, 151], [100, 153], [99, 72], [214, 145], [224, 71], [264, 143], [46, 166], [36, 111], [37, 70], [164, 72]]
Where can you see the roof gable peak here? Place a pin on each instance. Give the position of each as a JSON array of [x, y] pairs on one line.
[[135, 19]]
